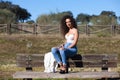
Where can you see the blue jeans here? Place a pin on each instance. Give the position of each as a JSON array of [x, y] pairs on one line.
[[62, 55]]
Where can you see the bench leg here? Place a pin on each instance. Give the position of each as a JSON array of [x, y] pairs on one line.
[[28, 69], [104, 68], [65, 78], [28, 79], [103, 79], [108, 79]]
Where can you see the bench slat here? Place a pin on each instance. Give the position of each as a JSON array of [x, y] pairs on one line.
[[69, 75], [72, 64], [92, 64], [93, 60], [30, 64], [99, 57], [34, 57], [30, 60]]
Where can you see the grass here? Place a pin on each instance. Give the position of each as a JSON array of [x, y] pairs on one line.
[[10, 45]]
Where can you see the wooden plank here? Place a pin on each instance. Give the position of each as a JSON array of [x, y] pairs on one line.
[[30, 74], [25, 57], [93, 60], [84, 60], [30, 60], [72, 64], [99, 57], [30, 64], [92, 64], [95, 57], [99, 64]]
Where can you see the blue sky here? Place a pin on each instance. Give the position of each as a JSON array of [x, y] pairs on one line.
[[39, 7]]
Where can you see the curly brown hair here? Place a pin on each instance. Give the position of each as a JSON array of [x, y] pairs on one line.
[[63, 27]]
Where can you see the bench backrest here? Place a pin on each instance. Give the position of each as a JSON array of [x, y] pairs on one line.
[[94, 60], [30, 60], [84, 60]]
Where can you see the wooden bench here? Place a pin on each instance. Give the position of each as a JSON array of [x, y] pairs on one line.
[[103, 61]]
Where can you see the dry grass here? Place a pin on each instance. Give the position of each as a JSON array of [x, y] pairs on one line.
[[13, 44]]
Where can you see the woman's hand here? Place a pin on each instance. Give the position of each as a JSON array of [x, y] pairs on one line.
[[61, 47]]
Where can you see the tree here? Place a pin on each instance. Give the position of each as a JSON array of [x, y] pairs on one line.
[[108, 13], [83, 18], [7, 16], [105, 18], [119, 19], [21, 13], [110, 16], [43, 19], [52, 18], [30, 22]]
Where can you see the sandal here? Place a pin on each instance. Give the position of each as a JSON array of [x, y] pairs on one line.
[[63, 70]]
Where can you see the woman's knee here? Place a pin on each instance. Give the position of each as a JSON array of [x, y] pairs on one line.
[[54, 49], [62, 52]]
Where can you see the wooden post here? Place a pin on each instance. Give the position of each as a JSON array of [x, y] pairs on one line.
[[9, 29], [35, 29], [87, 31], [113, 30]]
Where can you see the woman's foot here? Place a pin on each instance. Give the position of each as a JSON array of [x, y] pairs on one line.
[[63, 69], [61, 66]]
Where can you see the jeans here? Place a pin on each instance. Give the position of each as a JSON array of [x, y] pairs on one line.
[[62, 55]]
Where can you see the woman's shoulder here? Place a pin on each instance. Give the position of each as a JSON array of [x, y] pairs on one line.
[[75, 29]]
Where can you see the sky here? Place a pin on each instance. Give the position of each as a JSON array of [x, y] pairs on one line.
[[40, 7]]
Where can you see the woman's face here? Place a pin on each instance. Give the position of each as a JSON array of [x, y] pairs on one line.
[[68, 23]]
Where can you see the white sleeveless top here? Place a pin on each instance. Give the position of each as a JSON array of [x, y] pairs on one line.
[[70, 38]]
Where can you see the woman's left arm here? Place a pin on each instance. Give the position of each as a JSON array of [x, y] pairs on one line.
[[76, 36]]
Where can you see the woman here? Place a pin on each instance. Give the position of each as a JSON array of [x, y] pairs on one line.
[[68, 49]]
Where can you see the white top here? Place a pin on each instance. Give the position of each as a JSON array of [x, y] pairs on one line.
[[70, 38]]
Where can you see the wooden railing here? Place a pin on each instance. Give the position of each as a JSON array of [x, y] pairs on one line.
[[51, 29]]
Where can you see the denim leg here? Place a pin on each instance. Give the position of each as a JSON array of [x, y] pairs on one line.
[[69, 52], [63, 56], [56, 54]]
